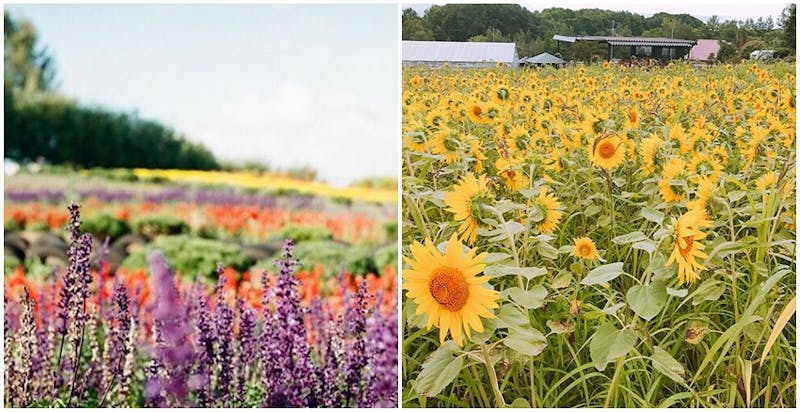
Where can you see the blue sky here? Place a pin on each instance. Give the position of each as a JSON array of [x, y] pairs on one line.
[[290, 85]]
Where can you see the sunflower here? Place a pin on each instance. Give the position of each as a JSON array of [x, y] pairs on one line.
[[766, 181], [476, 113], [669, 192], [465, 203], [648, 150], [607, 152], [417, 138], [705, 185], [687, 246], [448, 143], [448, 289], [703, 164], [585, 249], [548, 206], [632, 119], [511, 172]]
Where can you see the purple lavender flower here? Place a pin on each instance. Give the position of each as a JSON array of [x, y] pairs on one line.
[[356, 359], [247, 345], [173, 352], [296, 385], [223, 320], [381, 376], [205, 347], [121, 329]]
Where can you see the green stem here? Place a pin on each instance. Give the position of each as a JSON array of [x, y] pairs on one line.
[[482, 392], [614, 382], [498, 396], [533, 384]]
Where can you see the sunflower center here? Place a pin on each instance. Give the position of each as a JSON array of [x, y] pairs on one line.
[[449, 288], [688, 240], [585, 250], [606, 149], [476, 111]]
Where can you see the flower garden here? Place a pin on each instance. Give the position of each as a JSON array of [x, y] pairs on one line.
[[599, 236]]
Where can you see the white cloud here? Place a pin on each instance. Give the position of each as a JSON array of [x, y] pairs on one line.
[[341, 135]]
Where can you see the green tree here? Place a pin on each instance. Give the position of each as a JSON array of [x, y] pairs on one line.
[[414, 28], [27, 65], [787, 24]]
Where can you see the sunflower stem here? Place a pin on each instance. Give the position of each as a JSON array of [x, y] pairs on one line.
[[498, 396], [611, 203]]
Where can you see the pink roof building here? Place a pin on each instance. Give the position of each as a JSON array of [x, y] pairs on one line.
[[703, 50]]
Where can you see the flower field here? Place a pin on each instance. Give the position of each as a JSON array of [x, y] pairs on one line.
[[162, 295], [599, 236]]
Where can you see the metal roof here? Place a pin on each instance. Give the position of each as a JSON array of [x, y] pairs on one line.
[[544, 58], [446, 51], [629, 41]]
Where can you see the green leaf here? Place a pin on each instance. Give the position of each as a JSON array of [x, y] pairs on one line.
[[440, 369], [528, 342], [505, 270], [629, 238], [736, 195], [562, 280], [647, 300], [512, 317], [603, 274], [520, 403], [666, 364], [592, 210], [609, 343], [528, 299], [678, 293], [514, 227], [708, 290], [646, 245], [653, 215], [547, 250], [489, 327], [496, 257]]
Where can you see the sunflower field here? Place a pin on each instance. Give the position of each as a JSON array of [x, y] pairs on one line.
[[599, 236]]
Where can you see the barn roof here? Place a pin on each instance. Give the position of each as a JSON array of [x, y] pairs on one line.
[[544, 58], [704, 49], [629, 41], [458, 52]]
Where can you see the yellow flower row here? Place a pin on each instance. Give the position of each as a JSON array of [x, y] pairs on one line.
[[269, 182]]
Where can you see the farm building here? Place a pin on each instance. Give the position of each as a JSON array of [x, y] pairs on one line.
[[459, 54], [705, 51], [660, 48], [543, 59]]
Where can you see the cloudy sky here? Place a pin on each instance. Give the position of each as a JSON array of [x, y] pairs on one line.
[[701, 9], [288, 85]]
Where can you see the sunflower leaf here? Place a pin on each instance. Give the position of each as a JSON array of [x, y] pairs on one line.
[[629, 238], [708, 290], [666, 364], [511, 317], [646, 245], [528, 342], [652, 215], [603, 274], [647, 300], [440, 369], [609, 343], [528, 299]]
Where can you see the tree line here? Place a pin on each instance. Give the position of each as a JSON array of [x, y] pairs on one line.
[[41, 123], [532, 31]]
